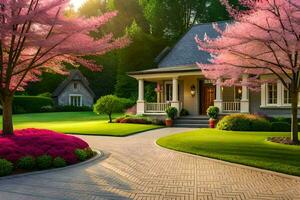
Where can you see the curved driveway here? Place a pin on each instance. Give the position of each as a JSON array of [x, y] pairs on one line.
[[135, 168]]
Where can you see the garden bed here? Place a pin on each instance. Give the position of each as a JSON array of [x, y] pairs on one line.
[[38, 149]]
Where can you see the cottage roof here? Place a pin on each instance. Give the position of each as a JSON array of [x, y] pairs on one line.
[[186, 52], [75, 75]]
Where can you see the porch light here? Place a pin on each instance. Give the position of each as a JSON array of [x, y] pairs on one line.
[[193, 90]]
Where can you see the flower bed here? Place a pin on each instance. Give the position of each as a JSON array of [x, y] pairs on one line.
[[41, 149]]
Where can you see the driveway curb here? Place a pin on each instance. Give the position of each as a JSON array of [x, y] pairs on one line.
[[99, 156]]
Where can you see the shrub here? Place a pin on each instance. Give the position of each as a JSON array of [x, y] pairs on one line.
[[158, 122], [44, 162], [6, 167], [171, 112], [27, 162], [59, 162], [46, 94], [30, 104], [244, 122], [184, 112], [108, 105], [81, 154], [89, 152], [127, 103], [213, 112], [281, 127], [47, 109]]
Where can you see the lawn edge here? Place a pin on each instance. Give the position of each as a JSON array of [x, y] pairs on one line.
[[233, 164], [117, 136], [100, 155]]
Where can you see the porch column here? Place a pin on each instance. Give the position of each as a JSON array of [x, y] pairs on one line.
[[141, 102], [245, 96], [219, 100], [175, 101]]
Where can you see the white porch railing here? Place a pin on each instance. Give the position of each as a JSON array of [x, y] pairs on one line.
[[234, 106], [156, 107]]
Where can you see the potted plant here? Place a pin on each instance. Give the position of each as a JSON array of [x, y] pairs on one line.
[[171, 114], [213, 113]]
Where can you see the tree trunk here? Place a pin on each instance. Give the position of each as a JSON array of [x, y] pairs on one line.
[[7, 122], [294, 131]]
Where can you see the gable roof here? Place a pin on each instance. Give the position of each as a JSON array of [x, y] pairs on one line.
[[186, 52], [75, 75]]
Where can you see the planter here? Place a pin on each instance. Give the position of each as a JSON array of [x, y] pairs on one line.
[[169, 122], [212, 123]]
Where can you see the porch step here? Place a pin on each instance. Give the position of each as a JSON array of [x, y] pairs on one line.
[[192, 122]]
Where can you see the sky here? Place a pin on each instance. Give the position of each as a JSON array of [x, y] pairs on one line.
[[77, 3]]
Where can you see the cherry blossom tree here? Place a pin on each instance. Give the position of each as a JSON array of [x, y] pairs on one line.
[[35, 36], [261, 41]]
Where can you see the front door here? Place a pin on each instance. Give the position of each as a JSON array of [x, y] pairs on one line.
[[207, 96]]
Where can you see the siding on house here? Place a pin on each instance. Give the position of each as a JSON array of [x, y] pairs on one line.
[[87, 98]]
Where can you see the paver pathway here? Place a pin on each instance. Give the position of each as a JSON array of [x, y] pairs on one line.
[[135, 168]]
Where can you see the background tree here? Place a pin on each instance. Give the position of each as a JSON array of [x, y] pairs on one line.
[[265, 39], [35, 36], [108, 105]]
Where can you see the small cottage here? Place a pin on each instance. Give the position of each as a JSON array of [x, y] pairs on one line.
[[74, 91]]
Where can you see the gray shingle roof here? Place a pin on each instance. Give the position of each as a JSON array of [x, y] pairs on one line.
[[75, 75], [186, 52]]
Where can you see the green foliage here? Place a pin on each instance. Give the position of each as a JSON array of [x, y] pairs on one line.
[[213, 112], [59, 162], [45, 94], [171, 112], [150, 94], [72, 108], [6, 167], [30, 104], [127, 103], [108, 105], [27, 162], [134, 119], [184, 112], [244, 122], [81, 154], [44, 162], [89, 152], [281, 127]]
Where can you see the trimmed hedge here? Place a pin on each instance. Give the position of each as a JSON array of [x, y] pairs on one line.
[[30, 104], [6, 167], [281, 127], [133, 119], [244, 122]]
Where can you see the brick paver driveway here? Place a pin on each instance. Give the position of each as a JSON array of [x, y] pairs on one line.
[[135, 168]]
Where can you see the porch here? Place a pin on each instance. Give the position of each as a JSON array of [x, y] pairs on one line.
[[193, 93]]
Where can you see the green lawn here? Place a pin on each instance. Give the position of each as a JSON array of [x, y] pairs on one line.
[[248, 148], [78, 123]]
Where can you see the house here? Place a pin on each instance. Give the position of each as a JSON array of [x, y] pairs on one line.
[[181, 84], [74, 91]]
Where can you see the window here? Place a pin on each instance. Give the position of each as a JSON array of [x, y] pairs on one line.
[[272, 93], [75, 85], [75, 100], [237, 93], [286, 96], [169, 92]]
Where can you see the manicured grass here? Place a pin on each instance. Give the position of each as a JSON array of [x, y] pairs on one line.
[[248, 148], [78, 123]]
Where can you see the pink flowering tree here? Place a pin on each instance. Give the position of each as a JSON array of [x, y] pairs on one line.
[[262, 41], [35, 36]]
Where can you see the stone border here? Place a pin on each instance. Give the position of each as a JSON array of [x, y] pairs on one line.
[[273, 173], [99, 155]]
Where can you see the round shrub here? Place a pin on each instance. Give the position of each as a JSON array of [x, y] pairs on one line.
[[184, 112], [44, 162], [6, 167], [81, 154], [281, 127], [244, 122], [171, 112], [59, 162], [27, 162], [213, 112], [89, 152]]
